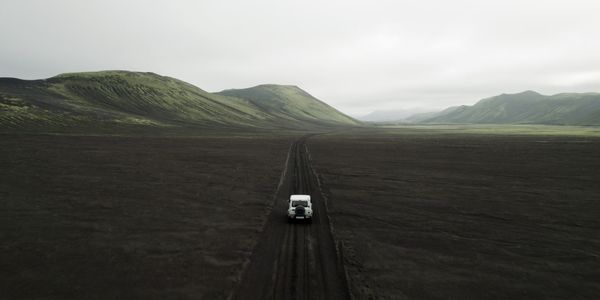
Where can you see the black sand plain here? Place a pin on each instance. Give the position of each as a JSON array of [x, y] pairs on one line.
[[102, 217], [451, 216], [417, 216]]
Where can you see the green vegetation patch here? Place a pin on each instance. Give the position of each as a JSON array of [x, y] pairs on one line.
[[542, 130]]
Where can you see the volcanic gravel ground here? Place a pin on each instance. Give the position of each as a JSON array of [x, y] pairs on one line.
[[295, 260], [132, 217], [464, 216], [400, 216]]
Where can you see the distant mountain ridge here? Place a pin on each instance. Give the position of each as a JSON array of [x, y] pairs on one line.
[[528, 107], [114, 99], [397, 115]]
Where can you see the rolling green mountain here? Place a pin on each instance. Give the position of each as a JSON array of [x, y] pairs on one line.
[[291, 104], [526, 108], [122, 99]]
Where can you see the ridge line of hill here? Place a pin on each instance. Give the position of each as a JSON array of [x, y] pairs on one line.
[[528, 107], [114, 100]]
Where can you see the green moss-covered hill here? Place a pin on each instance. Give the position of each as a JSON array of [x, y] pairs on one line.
[[290, 104], [526, 108], [122, 99]]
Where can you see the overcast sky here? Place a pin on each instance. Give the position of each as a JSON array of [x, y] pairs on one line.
[[358, 56]]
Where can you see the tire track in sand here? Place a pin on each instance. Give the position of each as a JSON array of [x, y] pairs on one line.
[[294, 260]]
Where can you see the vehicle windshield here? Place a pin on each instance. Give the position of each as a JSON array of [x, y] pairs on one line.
[[299, 202]]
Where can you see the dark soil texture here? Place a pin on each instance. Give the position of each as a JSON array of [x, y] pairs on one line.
[[415, 216], [84, 217], [295, 260], [464, 216]]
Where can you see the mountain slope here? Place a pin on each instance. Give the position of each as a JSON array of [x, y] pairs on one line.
[[129, 99], [416, 118], [290, 104], [527, 108], [400, 115]]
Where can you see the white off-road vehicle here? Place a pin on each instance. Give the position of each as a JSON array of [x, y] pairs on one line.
[[300, 208]]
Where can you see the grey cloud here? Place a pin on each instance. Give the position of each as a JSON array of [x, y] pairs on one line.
[[356, 55]]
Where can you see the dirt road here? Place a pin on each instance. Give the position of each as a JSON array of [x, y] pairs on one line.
[[297, 260]]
